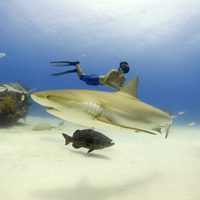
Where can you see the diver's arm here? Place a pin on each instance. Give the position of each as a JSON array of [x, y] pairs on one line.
[[103, 82], [121, 83], [106, 79], [113, 86]]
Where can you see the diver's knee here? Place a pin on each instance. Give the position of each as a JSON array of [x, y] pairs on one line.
[[82, 77]]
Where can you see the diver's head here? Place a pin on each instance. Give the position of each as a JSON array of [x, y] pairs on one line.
[[123, 66]]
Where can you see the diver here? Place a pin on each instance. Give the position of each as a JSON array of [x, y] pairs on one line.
[[114, 78]]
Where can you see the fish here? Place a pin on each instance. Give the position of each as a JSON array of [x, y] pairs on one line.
[[43, 126], [190, 124], [100, 109], [181, 113], [47, 126], [89, 139], [2, 54]]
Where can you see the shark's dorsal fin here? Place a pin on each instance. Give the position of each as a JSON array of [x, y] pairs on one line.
[[131, 87]]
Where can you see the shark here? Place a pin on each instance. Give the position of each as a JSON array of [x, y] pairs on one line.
[[120, 109]]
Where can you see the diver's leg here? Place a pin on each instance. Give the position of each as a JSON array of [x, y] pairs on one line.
[[65, 72], [79, 70], [92, 79]]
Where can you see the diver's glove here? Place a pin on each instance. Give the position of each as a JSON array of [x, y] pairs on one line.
[[64, 63]]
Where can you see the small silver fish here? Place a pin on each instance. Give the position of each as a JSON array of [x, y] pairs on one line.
[[89, 139], [2, 54], [181, 113], [42, 127], [47, 126], [190, 124]]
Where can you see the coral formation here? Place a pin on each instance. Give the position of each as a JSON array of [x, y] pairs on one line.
[[13, 104]]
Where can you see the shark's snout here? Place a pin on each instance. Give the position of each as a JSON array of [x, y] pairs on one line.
[[41, 98], [38, 95], [53, 100]]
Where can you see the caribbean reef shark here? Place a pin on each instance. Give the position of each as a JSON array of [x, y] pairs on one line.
[[98, 108]]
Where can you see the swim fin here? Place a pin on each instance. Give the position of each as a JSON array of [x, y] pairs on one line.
[[65, 72], [64, 63]]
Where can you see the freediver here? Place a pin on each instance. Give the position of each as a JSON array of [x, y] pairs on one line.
[[115, 78]]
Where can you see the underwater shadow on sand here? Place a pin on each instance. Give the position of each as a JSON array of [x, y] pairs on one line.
[[90, 155], [86, 190], [12, 125]]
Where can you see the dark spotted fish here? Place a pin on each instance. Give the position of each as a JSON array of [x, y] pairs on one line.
[[89, 139]]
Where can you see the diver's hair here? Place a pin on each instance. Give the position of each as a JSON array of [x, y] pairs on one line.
[[124, 66], [122, 63]]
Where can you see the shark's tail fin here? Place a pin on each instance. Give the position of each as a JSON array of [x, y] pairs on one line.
[[131, 87], [68, 139]]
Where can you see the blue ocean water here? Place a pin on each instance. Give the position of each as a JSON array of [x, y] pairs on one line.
[[161, 43]]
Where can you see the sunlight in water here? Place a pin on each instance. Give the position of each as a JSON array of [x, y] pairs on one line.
[[142, 21]]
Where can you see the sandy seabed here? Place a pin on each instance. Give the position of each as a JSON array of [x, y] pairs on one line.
[[36, 165]]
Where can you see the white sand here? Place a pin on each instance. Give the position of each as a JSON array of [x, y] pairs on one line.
[[35, 165]]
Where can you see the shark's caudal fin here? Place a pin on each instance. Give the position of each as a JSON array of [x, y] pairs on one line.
[[131, 87]]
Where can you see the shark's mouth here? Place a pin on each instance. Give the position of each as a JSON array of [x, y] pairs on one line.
[[51, 109]]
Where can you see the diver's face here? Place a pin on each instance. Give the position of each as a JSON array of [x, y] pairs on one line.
[[122, 71]]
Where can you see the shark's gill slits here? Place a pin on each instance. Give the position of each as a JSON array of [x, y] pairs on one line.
[[93, 108]]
